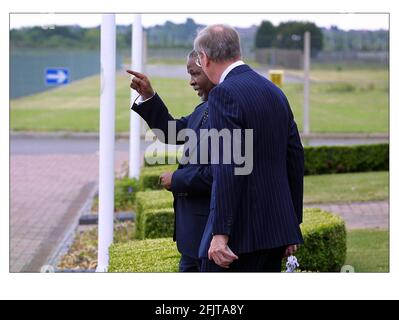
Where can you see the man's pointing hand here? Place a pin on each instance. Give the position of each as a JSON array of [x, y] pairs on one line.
[[141, 84]]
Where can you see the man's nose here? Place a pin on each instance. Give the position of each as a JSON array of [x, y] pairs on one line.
[[192, 82]]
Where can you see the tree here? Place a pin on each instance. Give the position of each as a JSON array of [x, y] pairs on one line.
[[290, 36], [265, 35]]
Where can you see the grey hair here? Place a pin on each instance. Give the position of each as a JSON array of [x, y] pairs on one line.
[[219, 42]]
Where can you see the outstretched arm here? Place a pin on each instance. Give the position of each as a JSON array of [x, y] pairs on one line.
[[154, 111]]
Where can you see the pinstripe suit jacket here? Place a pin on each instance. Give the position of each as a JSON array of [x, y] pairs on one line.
[[262, 210]]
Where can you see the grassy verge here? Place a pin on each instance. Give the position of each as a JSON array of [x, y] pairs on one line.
[[368, 250], [346, 187]]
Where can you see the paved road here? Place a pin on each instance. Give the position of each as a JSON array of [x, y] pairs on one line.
[[43, 145]]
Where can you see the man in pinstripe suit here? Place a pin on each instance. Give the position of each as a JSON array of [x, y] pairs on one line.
[[254, 219]]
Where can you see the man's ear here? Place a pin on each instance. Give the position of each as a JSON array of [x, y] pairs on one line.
[[207, 62]]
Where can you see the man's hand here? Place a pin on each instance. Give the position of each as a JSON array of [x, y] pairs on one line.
[[141, 84], [220, 252], [290, 250], [166, 180]]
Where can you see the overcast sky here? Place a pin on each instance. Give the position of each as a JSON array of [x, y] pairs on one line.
[[343, 21]]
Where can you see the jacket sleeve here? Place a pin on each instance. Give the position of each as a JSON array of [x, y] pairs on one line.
[[193, 180], [295, 166], [157, 116], [225, 114]]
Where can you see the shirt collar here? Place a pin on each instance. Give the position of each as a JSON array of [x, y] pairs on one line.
[[229, 68]]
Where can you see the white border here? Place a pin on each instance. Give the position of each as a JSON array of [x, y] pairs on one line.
[[202, 286]]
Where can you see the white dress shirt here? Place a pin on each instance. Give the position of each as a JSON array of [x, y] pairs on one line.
[[229, 68]]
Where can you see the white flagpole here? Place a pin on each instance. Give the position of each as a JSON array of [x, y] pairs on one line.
[[107, 141], [306, 85], [137, 65]]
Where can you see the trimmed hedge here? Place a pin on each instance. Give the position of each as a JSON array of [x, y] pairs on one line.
[[149, 177], [152, 206], [154, 199], [155, 255], [155, 223], [339, 159], [335, 159], [324, 249]]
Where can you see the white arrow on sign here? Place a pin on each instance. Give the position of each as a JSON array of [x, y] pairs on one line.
[[60, 76]]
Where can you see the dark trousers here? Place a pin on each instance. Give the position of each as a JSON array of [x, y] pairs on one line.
[[269, 260], [188, 264]]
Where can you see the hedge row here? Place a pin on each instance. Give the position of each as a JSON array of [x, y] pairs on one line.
[[153, 255], [325, 242], [324, 249], [338, 159], [149, 176]]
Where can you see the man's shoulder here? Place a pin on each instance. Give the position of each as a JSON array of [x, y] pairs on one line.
[[200, 108], [246, 77], [202, 105]]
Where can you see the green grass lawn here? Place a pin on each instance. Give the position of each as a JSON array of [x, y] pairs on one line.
[[346, 187], [368, 250], [352, 101], [76, 106]]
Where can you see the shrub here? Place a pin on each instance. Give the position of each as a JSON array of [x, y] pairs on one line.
[[148, 202], [318, 160], [149, 177], [338, 159], [155, 223], [324, 249], [153, 199], [154, 255], [325, 242], [125, 193]]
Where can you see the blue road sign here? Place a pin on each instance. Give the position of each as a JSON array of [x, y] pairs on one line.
[[56, 76]]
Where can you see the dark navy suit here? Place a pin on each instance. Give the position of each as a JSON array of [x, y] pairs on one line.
[[191, 183], [262, 210]]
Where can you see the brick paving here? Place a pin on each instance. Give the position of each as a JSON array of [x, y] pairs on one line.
[[360, 215], [46, 194]]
